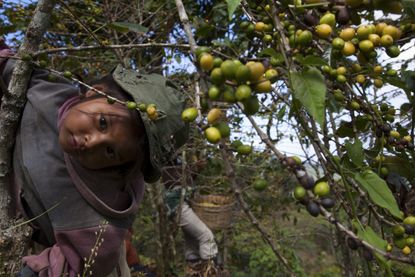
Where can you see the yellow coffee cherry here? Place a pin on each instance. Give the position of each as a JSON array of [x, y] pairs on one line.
[[389, 247], [152, 112], [341, 70], [360, 78], [406, 250], [323, 30]]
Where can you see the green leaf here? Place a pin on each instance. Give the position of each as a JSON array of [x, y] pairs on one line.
[[295, 106], [205, 30], [355, 152], [128, 26], [385, 264], [281, 113], [409, 78], [333, 105], [378, 191], [362, 123], [178, 59], [367, 234], [395, 81], [269, 52], [400, 166], [409, 7], [311, 60], [232, 5], [309, 87]]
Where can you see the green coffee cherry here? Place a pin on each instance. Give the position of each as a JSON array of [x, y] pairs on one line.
[[67, 74], [142, 107], [131, 105]]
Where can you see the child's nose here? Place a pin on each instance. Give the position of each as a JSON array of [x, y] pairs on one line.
[[92, 141]]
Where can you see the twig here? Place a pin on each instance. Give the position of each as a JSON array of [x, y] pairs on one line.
[[111, 47], [80, 22], [34, 218], [185, 21]]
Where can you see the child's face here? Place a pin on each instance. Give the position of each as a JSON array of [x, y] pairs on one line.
[[99, 134]]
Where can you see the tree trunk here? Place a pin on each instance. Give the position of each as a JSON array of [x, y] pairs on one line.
[[14, 237]]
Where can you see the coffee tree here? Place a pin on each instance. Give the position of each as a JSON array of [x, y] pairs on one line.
[[331, 69]]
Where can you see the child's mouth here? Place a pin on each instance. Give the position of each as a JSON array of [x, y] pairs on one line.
[[73, 142]]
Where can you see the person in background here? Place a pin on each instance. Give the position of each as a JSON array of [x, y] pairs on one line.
[[200, 244]]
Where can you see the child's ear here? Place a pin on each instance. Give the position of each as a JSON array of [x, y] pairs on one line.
[[91, 92]]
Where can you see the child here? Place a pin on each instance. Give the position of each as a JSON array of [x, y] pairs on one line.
[[80, 164]]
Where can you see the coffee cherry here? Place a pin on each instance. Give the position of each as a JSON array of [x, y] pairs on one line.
[[406, 250], [313, 209], [131, 105], [410, 220], [307, 182], [189, 114], [43, 63], [328, 203], [27, 58], [67, 74], [322, 189], [389, 247], [291, 162], [299, 193], [398, 231], [399, 148], [386, 129]]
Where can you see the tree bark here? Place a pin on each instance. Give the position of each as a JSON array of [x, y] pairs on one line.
[[14, 237]]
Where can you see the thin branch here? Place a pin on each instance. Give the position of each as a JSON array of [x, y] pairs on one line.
[[185, 21], [112, 47], [77, 19]]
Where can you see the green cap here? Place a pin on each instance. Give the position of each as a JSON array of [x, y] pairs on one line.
[[165, 133]]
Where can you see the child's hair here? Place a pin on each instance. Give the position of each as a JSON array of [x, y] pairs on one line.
[[113, 89]]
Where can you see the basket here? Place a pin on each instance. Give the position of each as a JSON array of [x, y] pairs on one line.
[[216, 211]]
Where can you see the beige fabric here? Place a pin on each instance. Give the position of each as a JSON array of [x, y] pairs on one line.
[[199, 239]]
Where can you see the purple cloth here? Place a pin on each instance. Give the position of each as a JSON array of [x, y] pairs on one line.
[[67, 255], [50, 262], [64, 109], [6, 52]]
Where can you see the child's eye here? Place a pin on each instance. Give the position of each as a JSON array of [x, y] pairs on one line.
[[110, 152], [102, 123]]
